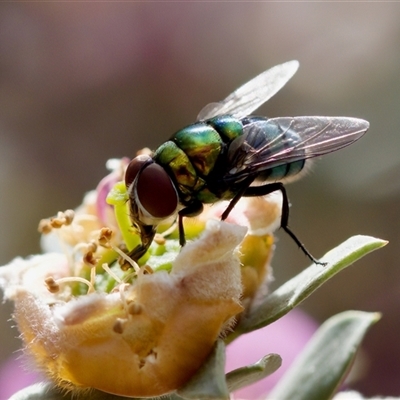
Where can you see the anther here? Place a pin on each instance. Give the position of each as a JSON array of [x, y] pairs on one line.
[[88, 258], [159, 239], [119, 325], [44, 226], [52, 285], [147, 270], [105, 236], [135, 309], [69, 216]]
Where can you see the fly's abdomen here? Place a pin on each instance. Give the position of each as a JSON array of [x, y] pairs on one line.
[[228, 127], [281, 172], [267, 149]]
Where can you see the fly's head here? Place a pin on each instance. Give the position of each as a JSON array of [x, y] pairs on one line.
[[152, 195]]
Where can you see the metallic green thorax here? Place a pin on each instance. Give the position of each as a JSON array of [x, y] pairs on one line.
[[192, 153], [209, 160]]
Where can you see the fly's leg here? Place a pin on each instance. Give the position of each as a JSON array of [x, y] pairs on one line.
[[256, 191], [192, 210], [147, 233], [233, 202]]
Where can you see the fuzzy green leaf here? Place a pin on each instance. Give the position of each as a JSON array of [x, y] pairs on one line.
[[319, 370], [245, 376], [294, 291]]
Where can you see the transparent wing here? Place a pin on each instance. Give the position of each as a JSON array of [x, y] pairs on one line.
[[251, 95], [277, 141]]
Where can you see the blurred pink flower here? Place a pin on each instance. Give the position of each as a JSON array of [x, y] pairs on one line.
[[286, 337], [14, 376]]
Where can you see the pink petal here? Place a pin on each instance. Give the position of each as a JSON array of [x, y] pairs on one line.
[[286, 337]]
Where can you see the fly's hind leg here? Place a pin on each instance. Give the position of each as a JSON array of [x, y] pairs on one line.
[[256, 191]]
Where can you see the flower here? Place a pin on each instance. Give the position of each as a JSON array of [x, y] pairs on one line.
[[15, 376], [144, 330], [275, 338]]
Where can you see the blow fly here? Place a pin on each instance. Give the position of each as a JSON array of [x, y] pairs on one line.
[[228, 154]]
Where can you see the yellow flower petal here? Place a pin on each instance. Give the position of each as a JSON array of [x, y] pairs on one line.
[[149, 338]]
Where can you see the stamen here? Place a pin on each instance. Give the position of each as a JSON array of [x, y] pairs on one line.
[[168, 231], [159, 239], [56, 223], [92, 278], [89, 258], [121, 289], [76, 279], [62, 218], [111, 273], [51, 284], [44, 226], [105, 236], [129, 277], [134, 308], [92, 246], [81, 247], [119, 325], [146, 270], [104, 239], [69, 216]]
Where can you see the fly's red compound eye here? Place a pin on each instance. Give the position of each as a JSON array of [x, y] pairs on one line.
[[156, 192], [134, 167]]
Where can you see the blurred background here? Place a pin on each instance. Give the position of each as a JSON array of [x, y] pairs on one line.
[[81, 83]]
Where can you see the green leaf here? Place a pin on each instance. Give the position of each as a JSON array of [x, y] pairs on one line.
[[245, 376], [294, 291], [319, 370]]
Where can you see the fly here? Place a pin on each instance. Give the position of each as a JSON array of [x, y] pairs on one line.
[[227, 151]]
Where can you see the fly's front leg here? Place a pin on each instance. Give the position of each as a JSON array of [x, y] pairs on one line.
[[192, 210], [256, 191], [147, 233]]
